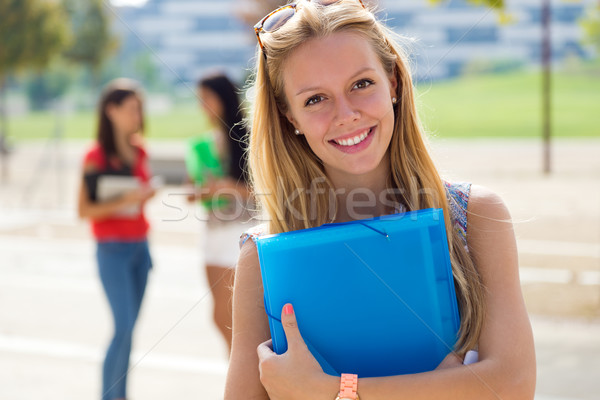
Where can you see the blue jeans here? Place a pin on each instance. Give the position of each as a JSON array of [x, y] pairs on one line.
[[123, 268]]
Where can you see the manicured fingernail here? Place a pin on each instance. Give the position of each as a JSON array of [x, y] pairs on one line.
[[288, 309]]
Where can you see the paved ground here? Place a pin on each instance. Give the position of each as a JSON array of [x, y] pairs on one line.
[[54, 322]]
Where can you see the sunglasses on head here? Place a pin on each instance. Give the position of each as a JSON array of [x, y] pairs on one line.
[[278, 18]]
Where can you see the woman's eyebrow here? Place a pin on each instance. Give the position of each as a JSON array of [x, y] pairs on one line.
[[315, 88]]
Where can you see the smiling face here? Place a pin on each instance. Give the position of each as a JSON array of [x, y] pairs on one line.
[[340, 98]]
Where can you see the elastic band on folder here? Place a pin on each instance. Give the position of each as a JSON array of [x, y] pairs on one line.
[[271, 316], [382, 233], [267, 310]]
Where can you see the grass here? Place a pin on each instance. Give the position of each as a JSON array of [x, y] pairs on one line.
[[179, 123], [510, 105], [505, 105]]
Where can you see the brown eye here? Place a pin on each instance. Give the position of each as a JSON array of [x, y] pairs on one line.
[[313, 100], [363, 83]]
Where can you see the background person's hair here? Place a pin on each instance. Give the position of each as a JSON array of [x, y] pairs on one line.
[[115, 92], [281, 162], [232, 122]]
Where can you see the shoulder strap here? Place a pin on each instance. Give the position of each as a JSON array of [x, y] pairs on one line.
[[458, 198], [253, 233]]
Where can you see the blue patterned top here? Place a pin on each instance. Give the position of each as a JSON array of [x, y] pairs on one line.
[[458, 198]]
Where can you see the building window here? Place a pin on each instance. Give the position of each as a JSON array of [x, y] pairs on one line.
[[567, 14], [477, 34], [398, 19]]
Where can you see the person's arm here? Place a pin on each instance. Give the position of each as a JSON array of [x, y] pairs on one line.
[[86, 208], [506, 367], [223, 187], [250, 328], [191, 191]]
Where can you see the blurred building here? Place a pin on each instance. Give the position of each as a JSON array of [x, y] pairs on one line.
[[456, 35], [188, 37]]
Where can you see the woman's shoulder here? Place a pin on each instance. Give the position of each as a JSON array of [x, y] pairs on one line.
[[472, 205], [469, 195], [486, 204], [94, 156], [94, 150], [488, 218]]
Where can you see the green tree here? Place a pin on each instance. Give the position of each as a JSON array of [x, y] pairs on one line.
[[591, 26], [51, 84], [32, 32], [147, 70], [94, 42]]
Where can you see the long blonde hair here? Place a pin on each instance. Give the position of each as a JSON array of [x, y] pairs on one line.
[[283, 167]]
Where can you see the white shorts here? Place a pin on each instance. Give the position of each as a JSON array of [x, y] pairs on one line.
[[220, 242]]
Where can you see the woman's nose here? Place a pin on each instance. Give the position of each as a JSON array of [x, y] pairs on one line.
[[346, 112]]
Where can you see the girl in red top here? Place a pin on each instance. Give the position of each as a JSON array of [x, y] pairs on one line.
[[118, 223]]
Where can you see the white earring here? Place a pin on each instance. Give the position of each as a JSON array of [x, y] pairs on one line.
[[394, 100], [297, 132]]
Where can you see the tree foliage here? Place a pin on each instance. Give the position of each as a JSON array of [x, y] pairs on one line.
[[90, 23], [591, 26], [32, 32], [51, 84]]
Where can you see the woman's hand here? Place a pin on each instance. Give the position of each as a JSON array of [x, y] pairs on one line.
[[138, 196], [295, 374], [205, 191]]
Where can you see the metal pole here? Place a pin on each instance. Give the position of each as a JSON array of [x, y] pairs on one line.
[[3, 130], [59, 109], [546, 83]]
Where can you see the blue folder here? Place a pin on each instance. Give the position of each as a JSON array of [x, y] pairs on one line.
[[372, 297]]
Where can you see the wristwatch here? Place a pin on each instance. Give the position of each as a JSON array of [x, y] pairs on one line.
[[348, 387]]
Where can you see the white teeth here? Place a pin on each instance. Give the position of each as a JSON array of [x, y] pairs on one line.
[[355, 140]]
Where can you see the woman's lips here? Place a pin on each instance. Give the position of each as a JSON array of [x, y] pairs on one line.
[[355, 143]]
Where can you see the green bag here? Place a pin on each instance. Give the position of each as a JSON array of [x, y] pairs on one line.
[[202, 164]]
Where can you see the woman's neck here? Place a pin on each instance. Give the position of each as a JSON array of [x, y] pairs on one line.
[[362, 196], [221, 143], [124, 148]]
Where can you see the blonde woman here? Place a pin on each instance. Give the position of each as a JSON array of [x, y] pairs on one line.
[[335, 110]]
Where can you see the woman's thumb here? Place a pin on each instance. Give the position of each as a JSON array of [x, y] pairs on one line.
[[290, 327]]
